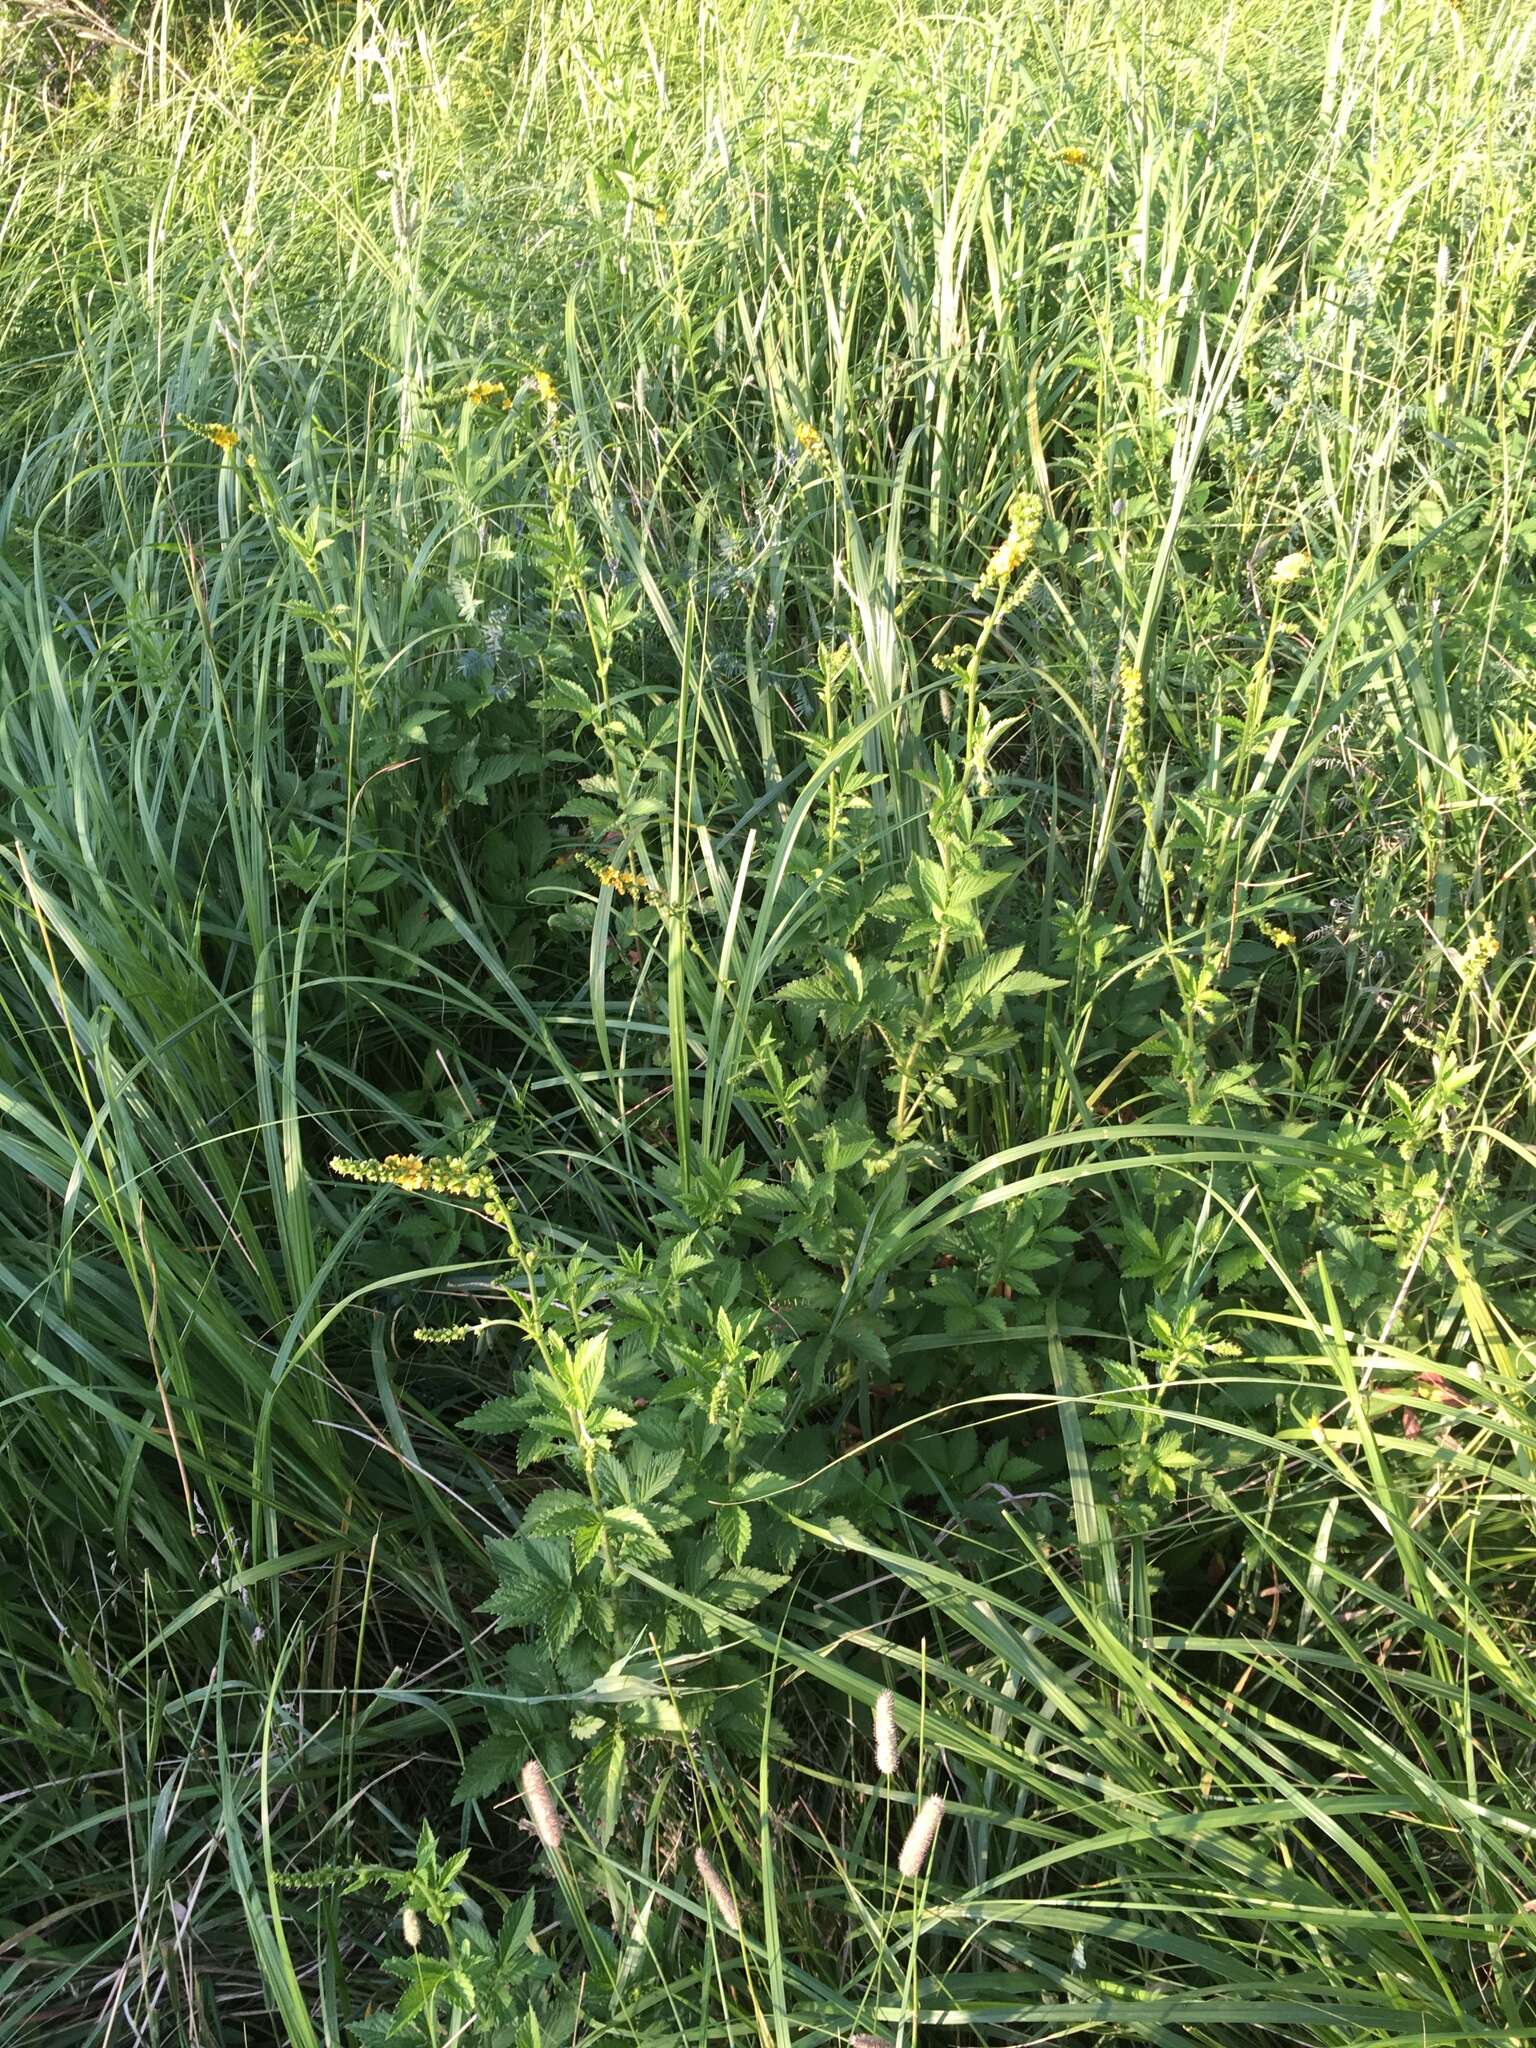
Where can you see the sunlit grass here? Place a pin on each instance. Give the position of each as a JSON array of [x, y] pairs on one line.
[[495, 515]]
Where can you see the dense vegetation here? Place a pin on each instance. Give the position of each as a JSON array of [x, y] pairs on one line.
[[767, 911]]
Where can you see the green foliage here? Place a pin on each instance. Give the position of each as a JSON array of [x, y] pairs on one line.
[[478, 1985], [849, 693]]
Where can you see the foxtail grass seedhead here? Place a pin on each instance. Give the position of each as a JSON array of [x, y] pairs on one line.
[[887, 1741], [410, 1927], [714, 1884], [540, 1802], [920, 1836]]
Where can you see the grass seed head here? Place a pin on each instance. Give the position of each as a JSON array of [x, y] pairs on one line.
[[714, 1884], [887, 1740], [540, 1802], [920, 1837]]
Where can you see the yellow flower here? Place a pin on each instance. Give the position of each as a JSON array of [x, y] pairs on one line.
[[811, 442], [1132, 713], [1290, 569], [1479, 957], [414, 1175], [1276, 934], [1024, 515], [544, 386], [1076, 157], [220, 435], [483, 388], [622, 881]]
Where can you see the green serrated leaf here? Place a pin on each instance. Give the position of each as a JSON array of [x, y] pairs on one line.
[[557, 1512], [733, 1526], [601, 1781], [500, 1416]]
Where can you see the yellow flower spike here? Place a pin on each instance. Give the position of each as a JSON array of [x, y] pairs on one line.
[[482, 388], [414, 1175], [545, 389], [1132, 694], [1075, 157], [622, 881], [1132, 714], [1290, 569], [1025, 513], [1479, 957], [811, 442], [221, 436]]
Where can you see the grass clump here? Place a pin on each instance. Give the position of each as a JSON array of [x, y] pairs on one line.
[[767, 908]]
